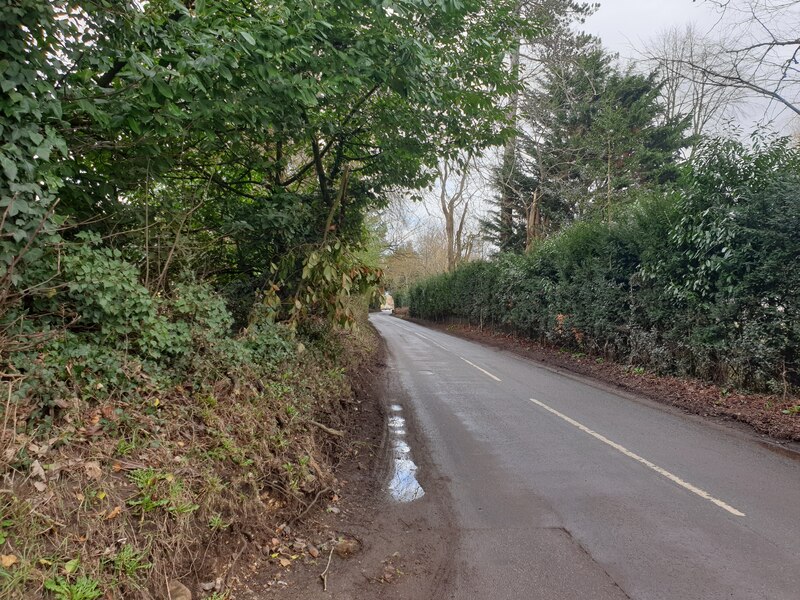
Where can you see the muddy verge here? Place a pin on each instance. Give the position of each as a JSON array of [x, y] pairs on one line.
[[382, 531], [772, 415]]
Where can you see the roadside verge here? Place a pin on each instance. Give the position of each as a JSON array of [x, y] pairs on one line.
[[366, 544]]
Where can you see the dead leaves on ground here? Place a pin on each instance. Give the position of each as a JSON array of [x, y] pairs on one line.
[[8, 560]]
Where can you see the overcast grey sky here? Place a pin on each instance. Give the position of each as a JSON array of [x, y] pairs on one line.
[[625, 24]]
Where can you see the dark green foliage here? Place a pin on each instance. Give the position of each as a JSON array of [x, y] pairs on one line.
[[595, 136], [176, 171], [701, 281]]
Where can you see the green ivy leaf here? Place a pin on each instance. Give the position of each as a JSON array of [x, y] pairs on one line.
[[72, 566]]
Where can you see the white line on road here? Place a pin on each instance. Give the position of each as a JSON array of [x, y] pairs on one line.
[[424, 337], [644, 461], [484, 371], [435, 343]]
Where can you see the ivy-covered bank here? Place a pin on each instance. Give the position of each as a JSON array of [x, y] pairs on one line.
[[699, 280], [141, 475]]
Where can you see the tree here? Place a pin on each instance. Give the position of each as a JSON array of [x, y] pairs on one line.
[[604, 131], [760, 51], [524, 60], [526, 63], [234, 141], [594, 133], [455, 193], [686, 90]]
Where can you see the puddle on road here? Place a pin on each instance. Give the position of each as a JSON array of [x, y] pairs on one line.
[[403, 487]]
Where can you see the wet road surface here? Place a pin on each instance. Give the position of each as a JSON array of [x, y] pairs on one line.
[[563, 489]]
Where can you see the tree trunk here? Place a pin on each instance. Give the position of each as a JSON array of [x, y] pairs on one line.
[[509, 159], [533, 221]]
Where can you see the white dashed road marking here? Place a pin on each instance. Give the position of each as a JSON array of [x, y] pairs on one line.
[[674, 478]]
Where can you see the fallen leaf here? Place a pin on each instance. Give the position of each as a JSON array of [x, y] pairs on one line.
[[93, 470], [115, 512], [116, 468], [40, 486], [54, 470], [7, 560], [312, 550], [177, 591], [38, 471], [285, 562], [347, 547], [72, 566]]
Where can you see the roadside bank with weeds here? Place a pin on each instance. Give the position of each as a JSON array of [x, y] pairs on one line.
[[121, 488]]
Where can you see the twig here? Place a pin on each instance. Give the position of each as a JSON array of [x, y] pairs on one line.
[[327, 429], [324, 574], [47, 518], [233, 564], [5, 415], [308, 508], [165, 270]]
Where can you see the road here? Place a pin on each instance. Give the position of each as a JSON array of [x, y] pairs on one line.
[[563, 489]]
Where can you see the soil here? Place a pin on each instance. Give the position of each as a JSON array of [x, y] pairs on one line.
[[370, 545], [774, 416]]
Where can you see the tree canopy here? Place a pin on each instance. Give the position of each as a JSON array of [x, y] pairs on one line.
[[241, 143], [593, 132]]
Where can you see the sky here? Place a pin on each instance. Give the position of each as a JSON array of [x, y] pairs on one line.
[[624, 25], [627, 25]]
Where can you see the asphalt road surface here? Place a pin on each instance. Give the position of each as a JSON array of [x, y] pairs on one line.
[[565, 489]]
